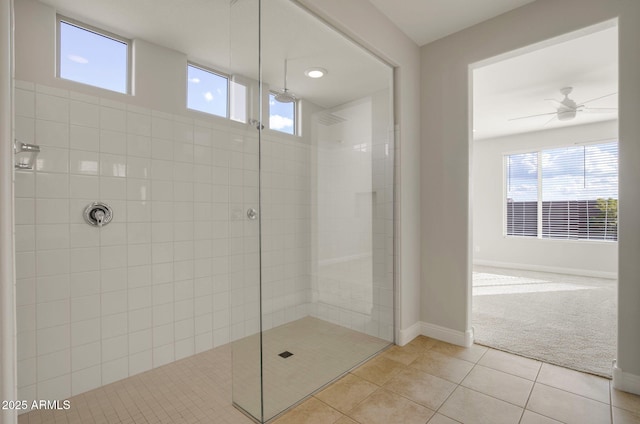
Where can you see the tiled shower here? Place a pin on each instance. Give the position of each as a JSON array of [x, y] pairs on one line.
[[180, 269]]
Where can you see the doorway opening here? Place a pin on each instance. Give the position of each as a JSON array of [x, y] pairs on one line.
[[545, 190]]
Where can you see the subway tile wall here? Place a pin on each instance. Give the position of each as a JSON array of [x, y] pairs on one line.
[[176, 272]]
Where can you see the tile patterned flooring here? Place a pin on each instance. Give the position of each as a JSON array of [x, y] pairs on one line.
[[426, 381]]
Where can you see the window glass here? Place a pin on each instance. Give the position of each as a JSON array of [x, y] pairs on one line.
[[207, 91], [282, 116], [88, 57], [579, 193]]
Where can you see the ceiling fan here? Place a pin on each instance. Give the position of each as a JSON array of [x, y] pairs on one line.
[[567, 108]]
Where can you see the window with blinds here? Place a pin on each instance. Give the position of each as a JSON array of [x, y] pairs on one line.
[[522, 194], [576, 193]]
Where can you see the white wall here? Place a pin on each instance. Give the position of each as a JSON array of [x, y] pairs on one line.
[[366, 24], [446, 232], [490, 245]]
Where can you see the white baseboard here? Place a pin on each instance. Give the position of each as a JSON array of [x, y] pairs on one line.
[[408, 334], [553, 269], [625, 381], [460, 338], [437, 332]]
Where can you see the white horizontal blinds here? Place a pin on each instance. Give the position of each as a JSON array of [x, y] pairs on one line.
[[580, 192], [522, 194]]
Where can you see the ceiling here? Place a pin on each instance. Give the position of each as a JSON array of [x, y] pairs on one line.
[[425, 21], [223, 34], [518, 86]]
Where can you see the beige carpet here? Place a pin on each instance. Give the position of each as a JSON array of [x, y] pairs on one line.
[[561, 319]]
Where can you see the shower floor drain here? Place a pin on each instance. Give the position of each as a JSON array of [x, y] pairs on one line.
[[285, 354]]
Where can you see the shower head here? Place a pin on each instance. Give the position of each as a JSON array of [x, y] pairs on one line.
[[284, 95]]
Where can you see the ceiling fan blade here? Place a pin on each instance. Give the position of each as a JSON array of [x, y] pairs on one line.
[[550, 121], [598, 98], [600, 109], [533, 116], [557, 102]]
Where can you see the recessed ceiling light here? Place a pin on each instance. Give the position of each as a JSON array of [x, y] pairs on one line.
[[315, 72]]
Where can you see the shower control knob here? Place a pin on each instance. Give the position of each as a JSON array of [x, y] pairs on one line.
[[252, 213], [98, 214]]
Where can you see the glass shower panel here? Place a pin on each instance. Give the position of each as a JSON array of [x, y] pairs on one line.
[[244, 209], [327, 206]]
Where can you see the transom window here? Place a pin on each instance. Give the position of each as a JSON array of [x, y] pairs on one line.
[[91, 56], [563, 193], [282, 116], [207, 91]]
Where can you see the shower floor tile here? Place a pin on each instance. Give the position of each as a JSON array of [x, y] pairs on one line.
[[198, 389]]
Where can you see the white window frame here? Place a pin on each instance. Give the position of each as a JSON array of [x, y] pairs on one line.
[[98, 31]]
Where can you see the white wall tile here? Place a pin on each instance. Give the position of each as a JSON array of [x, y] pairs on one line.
[[114, 302], [139, 232], [163, 355], [25, 211], [140, 319], [25, 129], [52, 262], [27, 345], [26, 372], [25, 291], [83, 187], [84, 332], [25, 184], [85, 380], [52, 185], [163, 335], [139, 276], [52, 108], [24, 103], [115, 370], [113, 142], [55, 287], [140, 362], [26, 318], [84, 259], [113, 119], [52, 314], [52, 159], [113, 257], [139, 298], [184, 348], [114, 325], [52, 211], [114, 348], [53, 364], [58, 388], [83, 162], [140, 341], [52, 236], [85, 307], [138, 146], [53, 339], [25, 238], [84, 114], [113, 279], [84, 138], [83, 235], [53, 134], [113, 234]]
